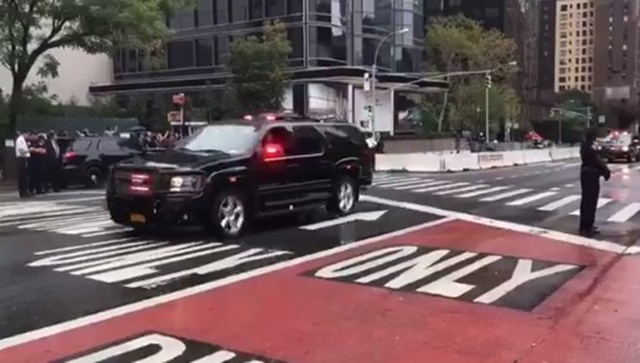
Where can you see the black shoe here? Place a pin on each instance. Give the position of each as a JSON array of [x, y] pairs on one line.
[[589, 232]]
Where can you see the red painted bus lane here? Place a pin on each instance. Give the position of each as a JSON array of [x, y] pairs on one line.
[[456, 292]]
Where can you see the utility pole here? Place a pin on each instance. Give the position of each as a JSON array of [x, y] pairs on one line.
[[486, 105]]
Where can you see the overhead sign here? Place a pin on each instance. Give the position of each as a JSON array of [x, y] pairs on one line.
[[173, 116], [517, 283], [179, 99], [161, 348]]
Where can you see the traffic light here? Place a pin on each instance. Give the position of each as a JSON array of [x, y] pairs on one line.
[[366, 82], [488, 80]]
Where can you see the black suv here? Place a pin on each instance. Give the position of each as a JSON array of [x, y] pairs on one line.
[[87, 160], [230, 172]]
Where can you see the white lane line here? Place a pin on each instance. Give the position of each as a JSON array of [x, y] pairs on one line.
[[81, 246], [440, 187], [554, 189], [601, 202], [465, 189], [532, 198], [399, 183], [506, 195], [482, 192], [625, 213], [421, 185], [559, 203], [499, 178], [515, 227], [155, 301], [569, 185], [108, 231]]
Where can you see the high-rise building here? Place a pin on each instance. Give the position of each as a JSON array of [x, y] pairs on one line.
[[546, 50], [616, 67], [574, 55]]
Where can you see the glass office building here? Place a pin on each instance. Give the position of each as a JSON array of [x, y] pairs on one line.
[[330, 39]]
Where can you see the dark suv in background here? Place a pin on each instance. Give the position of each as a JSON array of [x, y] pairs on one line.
[[620, 146], [87, 160], [230, 172]]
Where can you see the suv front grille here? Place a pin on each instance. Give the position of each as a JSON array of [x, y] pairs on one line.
[[133, 182]]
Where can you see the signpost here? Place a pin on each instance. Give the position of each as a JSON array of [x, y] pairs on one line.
[[179, 100]]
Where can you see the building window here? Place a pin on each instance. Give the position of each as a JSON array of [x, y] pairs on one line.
[[205, 13], [180, 54], [182, 19], [239, 11], [562, 79], [294, 7], [204, 52], [563, 7], [275, 8], [222, 11], [256, 11]]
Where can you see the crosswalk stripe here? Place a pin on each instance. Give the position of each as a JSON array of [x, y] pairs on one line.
[[482, 192], [531, 198], [460, 190], [421, 185], [440, 187], [116, 229], [399, 183], [506, 195], [46, 216], [601, 203], [625, 213], [387, 180], [559, 203]]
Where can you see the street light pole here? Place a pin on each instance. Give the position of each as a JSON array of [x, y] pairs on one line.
[[374, 75], [486, 113]]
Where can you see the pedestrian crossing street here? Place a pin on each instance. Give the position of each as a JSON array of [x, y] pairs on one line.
[[561, 201]]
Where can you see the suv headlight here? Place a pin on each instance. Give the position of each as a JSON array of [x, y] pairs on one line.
[[185, 183], [625, 148]]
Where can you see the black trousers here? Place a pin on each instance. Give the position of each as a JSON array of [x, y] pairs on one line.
[[23, 176], [590, 184], [35, 175]]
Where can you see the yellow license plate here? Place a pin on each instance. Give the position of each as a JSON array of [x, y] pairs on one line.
[[137, 218]]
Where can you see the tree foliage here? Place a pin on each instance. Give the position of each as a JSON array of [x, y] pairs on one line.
[[458, 44], [29, 29], [259, 68]]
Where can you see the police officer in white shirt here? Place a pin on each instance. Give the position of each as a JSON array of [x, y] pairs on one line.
[[22, 160]]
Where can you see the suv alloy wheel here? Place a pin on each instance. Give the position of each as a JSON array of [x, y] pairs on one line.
[[229, 214], [345, 196]]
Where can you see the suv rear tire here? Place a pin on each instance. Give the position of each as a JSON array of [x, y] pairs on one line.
[[229, 214], [344, 197], [93, 177]]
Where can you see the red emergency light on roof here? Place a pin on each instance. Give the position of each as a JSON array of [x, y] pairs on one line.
[[248, 117], [270, 117]]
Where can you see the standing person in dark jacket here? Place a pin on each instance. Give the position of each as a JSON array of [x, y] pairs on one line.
[[592, 169], [54, 162]]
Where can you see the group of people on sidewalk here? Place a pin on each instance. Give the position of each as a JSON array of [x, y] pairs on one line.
[[39, 163]]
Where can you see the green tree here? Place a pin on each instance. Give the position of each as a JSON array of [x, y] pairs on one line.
[[458, 44], [259, 68], [30, 29]]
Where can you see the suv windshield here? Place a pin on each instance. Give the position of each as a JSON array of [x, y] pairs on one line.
[[229, 139]]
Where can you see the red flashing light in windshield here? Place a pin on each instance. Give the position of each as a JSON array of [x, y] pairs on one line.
[[273, 151], [248, 117], [270, 117]]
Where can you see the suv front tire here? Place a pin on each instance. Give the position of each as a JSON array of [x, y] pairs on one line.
[[229, 214]]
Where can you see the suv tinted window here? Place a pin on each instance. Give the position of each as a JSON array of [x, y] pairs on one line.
[[306, 140], [80, 145], [114, 144], [341, 136]]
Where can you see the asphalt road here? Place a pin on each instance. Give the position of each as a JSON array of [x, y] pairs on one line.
[[542, 195], [62, 258]]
